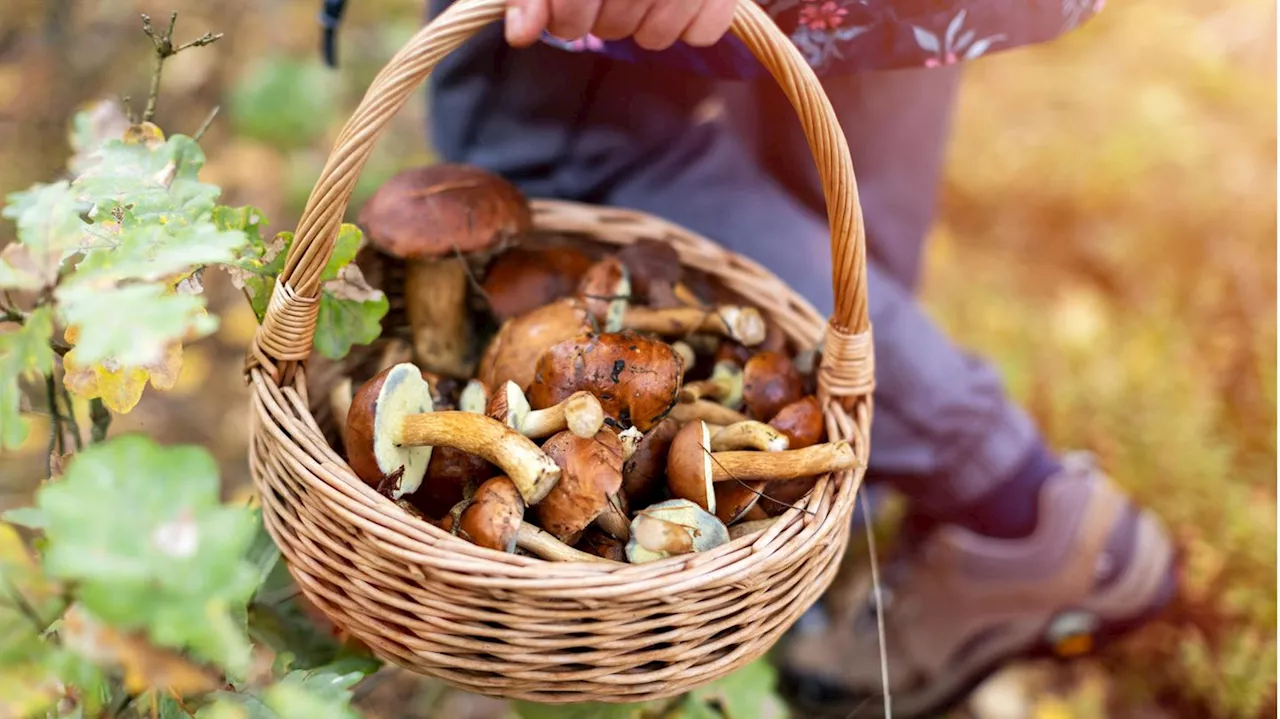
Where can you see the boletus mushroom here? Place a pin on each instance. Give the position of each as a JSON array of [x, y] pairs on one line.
[[452, 473], [707, 411], [432, 217], [523, 279], [735, 499], [769, 382], [580, 413], [494, 518], [636, 378], [606, 290], [598, 542], [672, 528], [512, 354], [654, 267], [644, 468], [804, 426], [693, 467], [591, 474], [391, 430]]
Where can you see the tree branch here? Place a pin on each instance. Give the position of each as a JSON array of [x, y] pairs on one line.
[[101, 417], [165, 49]]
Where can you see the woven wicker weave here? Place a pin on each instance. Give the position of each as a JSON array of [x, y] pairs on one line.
[[514, 626]]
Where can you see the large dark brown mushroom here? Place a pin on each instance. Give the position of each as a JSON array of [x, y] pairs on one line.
[[391, 430], [803, 424], [644, 468], [494, 518], [770, 382], [636, 378], [522, 279], [428, 217]]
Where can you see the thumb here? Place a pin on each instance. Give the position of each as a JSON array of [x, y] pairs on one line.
[[525, 21]]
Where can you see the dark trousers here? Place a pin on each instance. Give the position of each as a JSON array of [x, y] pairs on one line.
[[586, 128]]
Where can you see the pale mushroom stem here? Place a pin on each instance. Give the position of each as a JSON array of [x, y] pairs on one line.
[[742, 324], [532, 471], [748, 435], [436, 307], [535, 541], [720, 387], [791, 464], [580, 413], [710, 412]]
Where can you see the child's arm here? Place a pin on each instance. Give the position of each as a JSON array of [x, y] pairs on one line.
[[651, 24]]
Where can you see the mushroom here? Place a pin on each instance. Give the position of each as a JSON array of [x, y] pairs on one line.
[[512, 354], [686, 353], [654, 266], [706, 411], [630, 439], [636, 379], [723, 386], [803, 424], [693, 468], [452, 473], [522, 279], [606, 289], [431, 217], [743, 324], [742, 529], [601, 544], [671, 528], [769, 383], [494, 518], [591, 473], [391, 430], [580, 413], [735, 499], [643, 469], [474, 397]]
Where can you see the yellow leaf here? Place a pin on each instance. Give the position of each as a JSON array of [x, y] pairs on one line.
[[121, 388], [164, 374], [144, 665], [145, 133], [26, 691]]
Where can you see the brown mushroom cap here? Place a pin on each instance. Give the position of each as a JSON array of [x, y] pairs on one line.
[[606, 289], [451, 475], [591, 471], [653, 265], [523, 279], [689, 466], [493, 518], [512, 355], [804, 426], [636, 379], [643, 470], [426, 213], [596, 541], [360, 431], [769, 383]]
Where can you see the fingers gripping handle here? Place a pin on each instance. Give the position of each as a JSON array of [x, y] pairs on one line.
[[286, 333]]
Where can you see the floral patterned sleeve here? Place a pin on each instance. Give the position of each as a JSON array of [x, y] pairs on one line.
[[840, 36]]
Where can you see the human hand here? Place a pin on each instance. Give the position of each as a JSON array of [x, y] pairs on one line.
[[653, 24]]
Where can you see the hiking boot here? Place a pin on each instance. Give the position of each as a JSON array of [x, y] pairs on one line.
[[958, 605]]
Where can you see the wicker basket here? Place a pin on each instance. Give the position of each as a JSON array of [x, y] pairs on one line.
[[513, 626]]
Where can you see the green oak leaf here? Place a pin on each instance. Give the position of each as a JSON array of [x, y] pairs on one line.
[[745, 694], [258, 261], [314, 694], [130, 325], [140, 530], [49, 231], [24, 352], [351, 311], [157, 181], [156, 252]]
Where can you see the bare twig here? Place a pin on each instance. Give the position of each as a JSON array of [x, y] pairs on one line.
[[165, 49], [72, 423], [204, 127], [875, 588], [57, 442]]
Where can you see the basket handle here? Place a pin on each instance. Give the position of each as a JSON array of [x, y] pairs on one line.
[[285, 336]]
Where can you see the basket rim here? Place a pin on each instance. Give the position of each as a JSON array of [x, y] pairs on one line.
[[413, 540]]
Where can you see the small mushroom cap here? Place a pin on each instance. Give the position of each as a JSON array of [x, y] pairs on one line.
[[508, 405], [512, 355], [650, 262], [451, 475], [596, 541], [644, 469], [427, 213], [802, 422], [606, 288], [474, 397], [493, 518], [372, 432], [689, 465], [769, 383], [591, 471], [735, 499], [522, 279], [671, 528], [637, 379]]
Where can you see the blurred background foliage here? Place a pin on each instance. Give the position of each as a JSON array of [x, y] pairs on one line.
[[1108, 236]]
